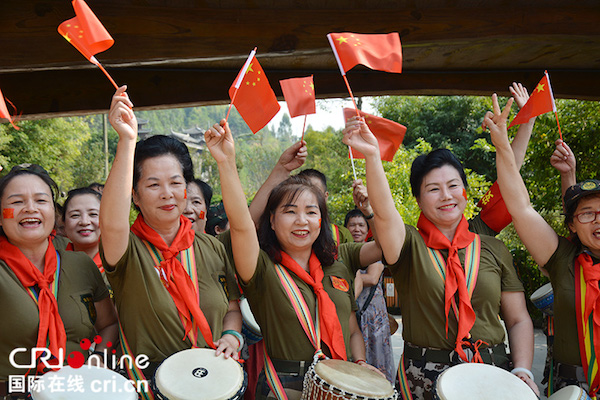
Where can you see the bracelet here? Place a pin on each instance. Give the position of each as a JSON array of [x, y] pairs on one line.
[[235, 334], [524, 370], [359, 360], [370, 216]]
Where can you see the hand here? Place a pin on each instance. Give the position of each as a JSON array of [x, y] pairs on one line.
[[496, 122], [361, 197], [228, 345], [294, 156], [372, 368], [358, 136], [121, 115], [519, 93], [220, 142], [563, 158], [525, 378]]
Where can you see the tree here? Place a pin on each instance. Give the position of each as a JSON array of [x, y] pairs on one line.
[[284, 132]]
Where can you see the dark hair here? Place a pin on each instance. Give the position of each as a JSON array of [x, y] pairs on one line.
[[78, 192], [216, 217], [31, 169], [288, 191], [96, 186], [206, 190], [160, 145], [313, 173], [425, 163], [353, 213]]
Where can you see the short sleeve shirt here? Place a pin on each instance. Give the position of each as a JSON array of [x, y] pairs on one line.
[[147, 312]]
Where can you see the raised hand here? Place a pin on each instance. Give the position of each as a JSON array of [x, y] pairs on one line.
[[220, 142], [121, 115], [361, 197], [358, 136], [519, 93], [496, 122], [294, 156], [563, 158]]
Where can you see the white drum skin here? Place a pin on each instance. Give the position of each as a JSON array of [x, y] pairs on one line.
[[571, 392]]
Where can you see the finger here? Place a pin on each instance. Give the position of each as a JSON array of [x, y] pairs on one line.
[[495, 104], [506, 110]]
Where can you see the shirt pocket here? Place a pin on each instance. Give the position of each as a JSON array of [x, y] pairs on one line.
[[84, 308]]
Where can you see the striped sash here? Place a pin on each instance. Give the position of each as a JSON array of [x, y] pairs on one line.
[[585, 333], [310, 328], [335, 231], [133, 372]]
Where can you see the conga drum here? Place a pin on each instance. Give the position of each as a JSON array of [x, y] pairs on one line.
[[571, 392], [481, 382], [250, 328], [87, 382], [196, 374], [337, 379], [543, 298]]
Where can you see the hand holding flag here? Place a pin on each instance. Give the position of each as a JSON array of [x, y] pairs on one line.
[[4, 112], [87, 34]]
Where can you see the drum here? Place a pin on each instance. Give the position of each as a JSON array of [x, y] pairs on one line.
[[570, 393], [543, 298], [196, 374], [250, 328], [87, 382], [482, 382], [337, 379]]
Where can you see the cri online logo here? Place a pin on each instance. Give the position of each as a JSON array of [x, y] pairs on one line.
[[76, 359]]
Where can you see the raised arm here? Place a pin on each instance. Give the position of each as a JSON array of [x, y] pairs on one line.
[[116, 198], [371, 251], [292, 158], [244, 241], [387, 220], [539, 238], [563, 160], [521, 140]]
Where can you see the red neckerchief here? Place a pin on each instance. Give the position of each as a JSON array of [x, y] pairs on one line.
[[51, 331], [455, 275], [331, 329], [96, 258], [177, 282]]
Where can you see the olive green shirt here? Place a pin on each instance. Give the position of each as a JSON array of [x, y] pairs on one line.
[[79, 287], [344, 234], [421, 291], [147, 312]]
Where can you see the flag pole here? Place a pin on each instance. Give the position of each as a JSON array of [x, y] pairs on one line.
[[97, 63], [559, 131], [553, 103], [239, 81], [303, 126]]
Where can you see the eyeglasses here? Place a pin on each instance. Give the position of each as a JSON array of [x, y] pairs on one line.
[[587, 217]]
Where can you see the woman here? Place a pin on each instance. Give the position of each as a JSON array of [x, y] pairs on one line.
[[199, 194], [162, 310], [51, 298], [572, 263], [294, 243], [81, 216], [434, 337], [373, 321]]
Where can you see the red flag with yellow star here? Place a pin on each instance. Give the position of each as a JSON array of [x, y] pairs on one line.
[[255, 99], [382, 52], [85, 32], [4, 112], [389, 134], [540, 102], [299, 94]]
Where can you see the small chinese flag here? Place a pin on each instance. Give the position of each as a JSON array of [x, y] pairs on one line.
[[299, 94], [382, 52], [540, 102], [493, 209], [255, 99], [389, 134], [4, 112], [86, 32]]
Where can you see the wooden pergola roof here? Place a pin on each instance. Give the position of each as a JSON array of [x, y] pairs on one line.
[[187, 52]]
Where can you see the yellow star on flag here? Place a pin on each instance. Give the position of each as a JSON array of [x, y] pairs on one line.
[[66, 36], [342, 39], [540, 87], [249, 68]]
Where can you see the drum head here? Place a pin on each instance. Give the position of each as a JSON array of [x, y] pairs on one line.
[[87, 382], [353, 378], [541, 292], [248, 317], [570, 393], [482, 382], [195, 374]]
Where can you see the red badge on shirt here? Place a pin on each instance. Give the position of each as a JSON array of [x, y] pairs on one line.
[[340, 283]]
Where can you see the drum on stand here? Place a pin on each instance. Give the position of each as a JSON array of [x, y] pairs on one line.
[[250, 328], [571, 392], [196, 374], [337, 379], [481, 382], [87, 382], [543, 298]]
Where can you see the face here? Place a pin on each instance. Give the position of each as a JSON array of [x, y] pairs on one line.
[[160, 192], [297, 223], [358, 228], [441, 199], [82, 221], [588, 233], [196, 207], [316, 182], [27, 211]]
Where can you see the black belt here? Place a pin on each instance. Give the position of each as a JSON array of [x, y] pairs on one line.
[[490, 355], [568, 371], [291, 367]]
